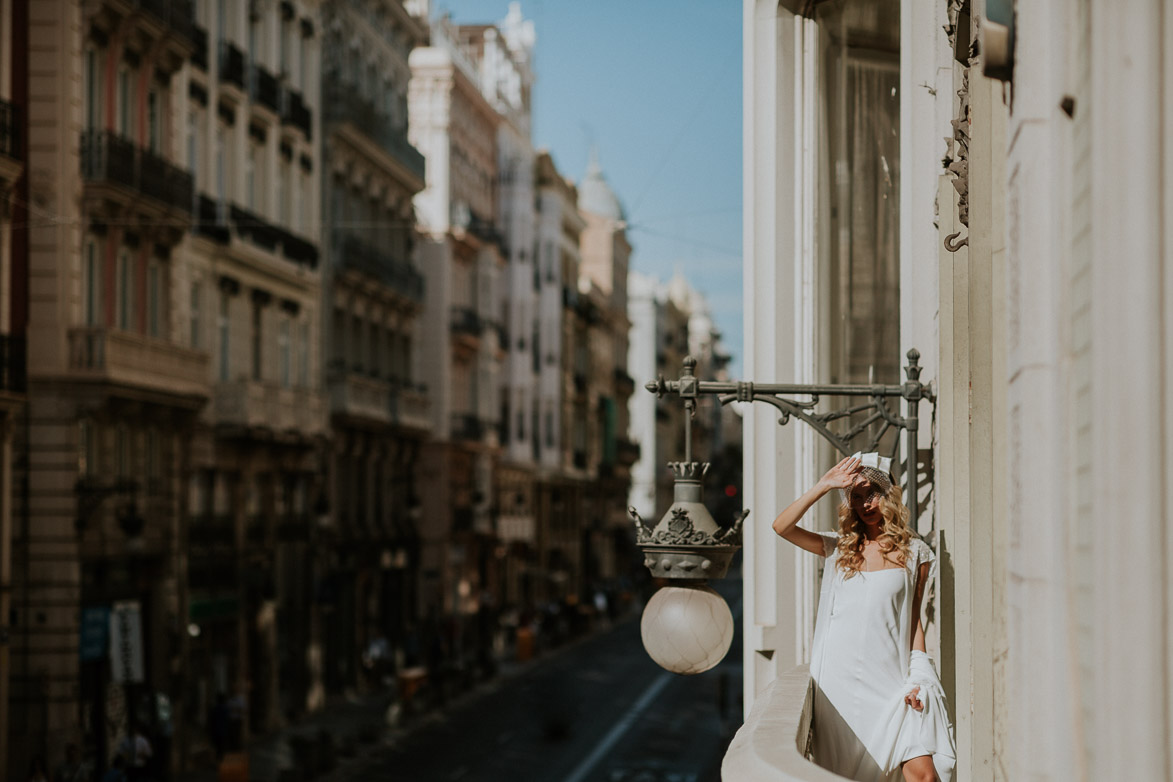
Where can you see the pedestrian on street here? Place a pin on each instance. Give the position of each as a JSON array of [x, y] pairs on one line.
[[137, 749], [878, 702]]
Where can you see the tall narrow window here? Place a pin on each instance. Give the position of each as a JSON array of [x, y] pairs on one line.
[[376, 366], [283, 194], [250, 177], [92, 284], [303, 355], [221, 20], [154, 122], [126, 288], [122, 453], [193, 146], [257, 340], [154, 299], [222, 326], [197, 290], [220, 175], [125, 102], [86, 441], [93, 95], [284, 351]]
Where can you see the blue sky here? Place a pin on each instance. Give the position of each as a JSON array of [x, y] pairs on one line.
[[656, 86]]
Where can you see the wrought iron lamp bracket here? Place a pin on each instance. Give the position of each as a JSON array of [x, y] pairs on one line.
[[867, 434]]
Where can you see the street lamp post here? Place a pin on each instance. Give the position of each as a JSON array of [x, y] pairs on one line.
[[687, 627]]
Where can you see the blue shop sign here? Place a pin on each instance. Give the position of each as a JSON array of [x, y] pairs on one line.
[[95, 632]]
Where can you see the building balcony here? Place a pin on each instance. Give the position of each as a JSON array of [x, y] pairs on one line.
[[295, 113], [231, 65], [139, 363], [354, 395], [396, 273], [466, 324], [211, 220], [170, 23], [263, 88], [411, 407], [10, 138], [483, 228], [775, 742], [343, 103], [267, 406], [626, 452], [118, 170], [466, 426], [268, 236]]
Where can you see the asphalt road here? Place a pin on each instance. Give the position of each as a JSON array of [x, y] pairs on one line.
[[596, 711]]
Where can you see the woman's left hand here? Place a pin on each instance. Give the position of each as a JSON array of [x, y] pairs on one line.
[[912, 700]]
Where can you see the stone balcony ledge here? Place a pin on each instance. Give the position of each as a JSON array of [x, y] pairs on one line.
[[264, 405], [136, 361], [773, 743]]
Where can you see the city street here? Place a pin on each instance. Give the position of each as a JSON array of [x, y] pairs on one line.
[[597, 711]]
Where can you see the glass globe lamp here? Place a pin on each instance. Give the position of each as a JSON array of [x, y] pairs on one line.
[[687, 628]]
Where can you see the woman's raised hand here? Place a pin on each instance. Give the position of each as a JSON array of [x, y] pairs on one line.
[[842, 475]]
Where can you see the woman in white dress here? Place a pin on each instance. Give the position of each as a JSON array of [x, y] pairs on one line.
[[879, 710]]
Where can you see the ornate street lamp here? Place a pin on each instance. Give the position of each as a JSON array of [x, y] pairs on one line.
[[687, 627]]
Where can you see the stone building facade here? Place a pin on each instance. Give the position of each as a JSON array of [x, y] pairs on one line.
[[1033, 230]]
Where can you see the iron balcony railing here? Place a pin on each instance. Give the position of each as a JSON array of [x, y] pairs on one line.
[[210, 220], [294, 111], [342, 102], [231, 64], [396, 273], [178, 15], [263, 88], [268, 236], [466, 426], [465, 320], [9, 130], [108, 157], [483, 228]]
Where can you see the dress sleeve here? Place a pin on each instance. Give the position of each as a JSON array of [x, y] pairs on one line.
[[919, 554], [830, 541]]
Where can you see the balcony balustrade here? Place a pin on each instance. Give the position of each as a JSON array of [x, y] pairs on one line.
[[258, 404], [483, 228], [210, 220], [177, 15], [411, 407], [136, 361], [263, 88], [343, 102], [294, 111], [231, 64], [9, 130], [396, 273], [774, 743], [466, 426], [110, 159], [268, 236], [466, 322], [357, 396]]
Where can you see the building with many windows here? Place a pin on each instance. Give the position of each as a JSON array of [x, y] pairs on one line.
[[116, 386], [1009, 178], [373, 294], [460, 253]]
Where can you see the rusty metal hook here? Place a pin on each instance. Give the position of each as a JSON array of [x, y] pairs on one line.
[[951, 247]]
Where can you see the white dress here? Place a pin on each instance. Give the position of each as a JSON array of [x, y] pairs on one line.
[[862, 667]]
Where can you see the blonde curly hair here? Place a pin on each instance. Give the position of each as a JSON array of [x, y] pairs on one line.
[[894, 532]]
